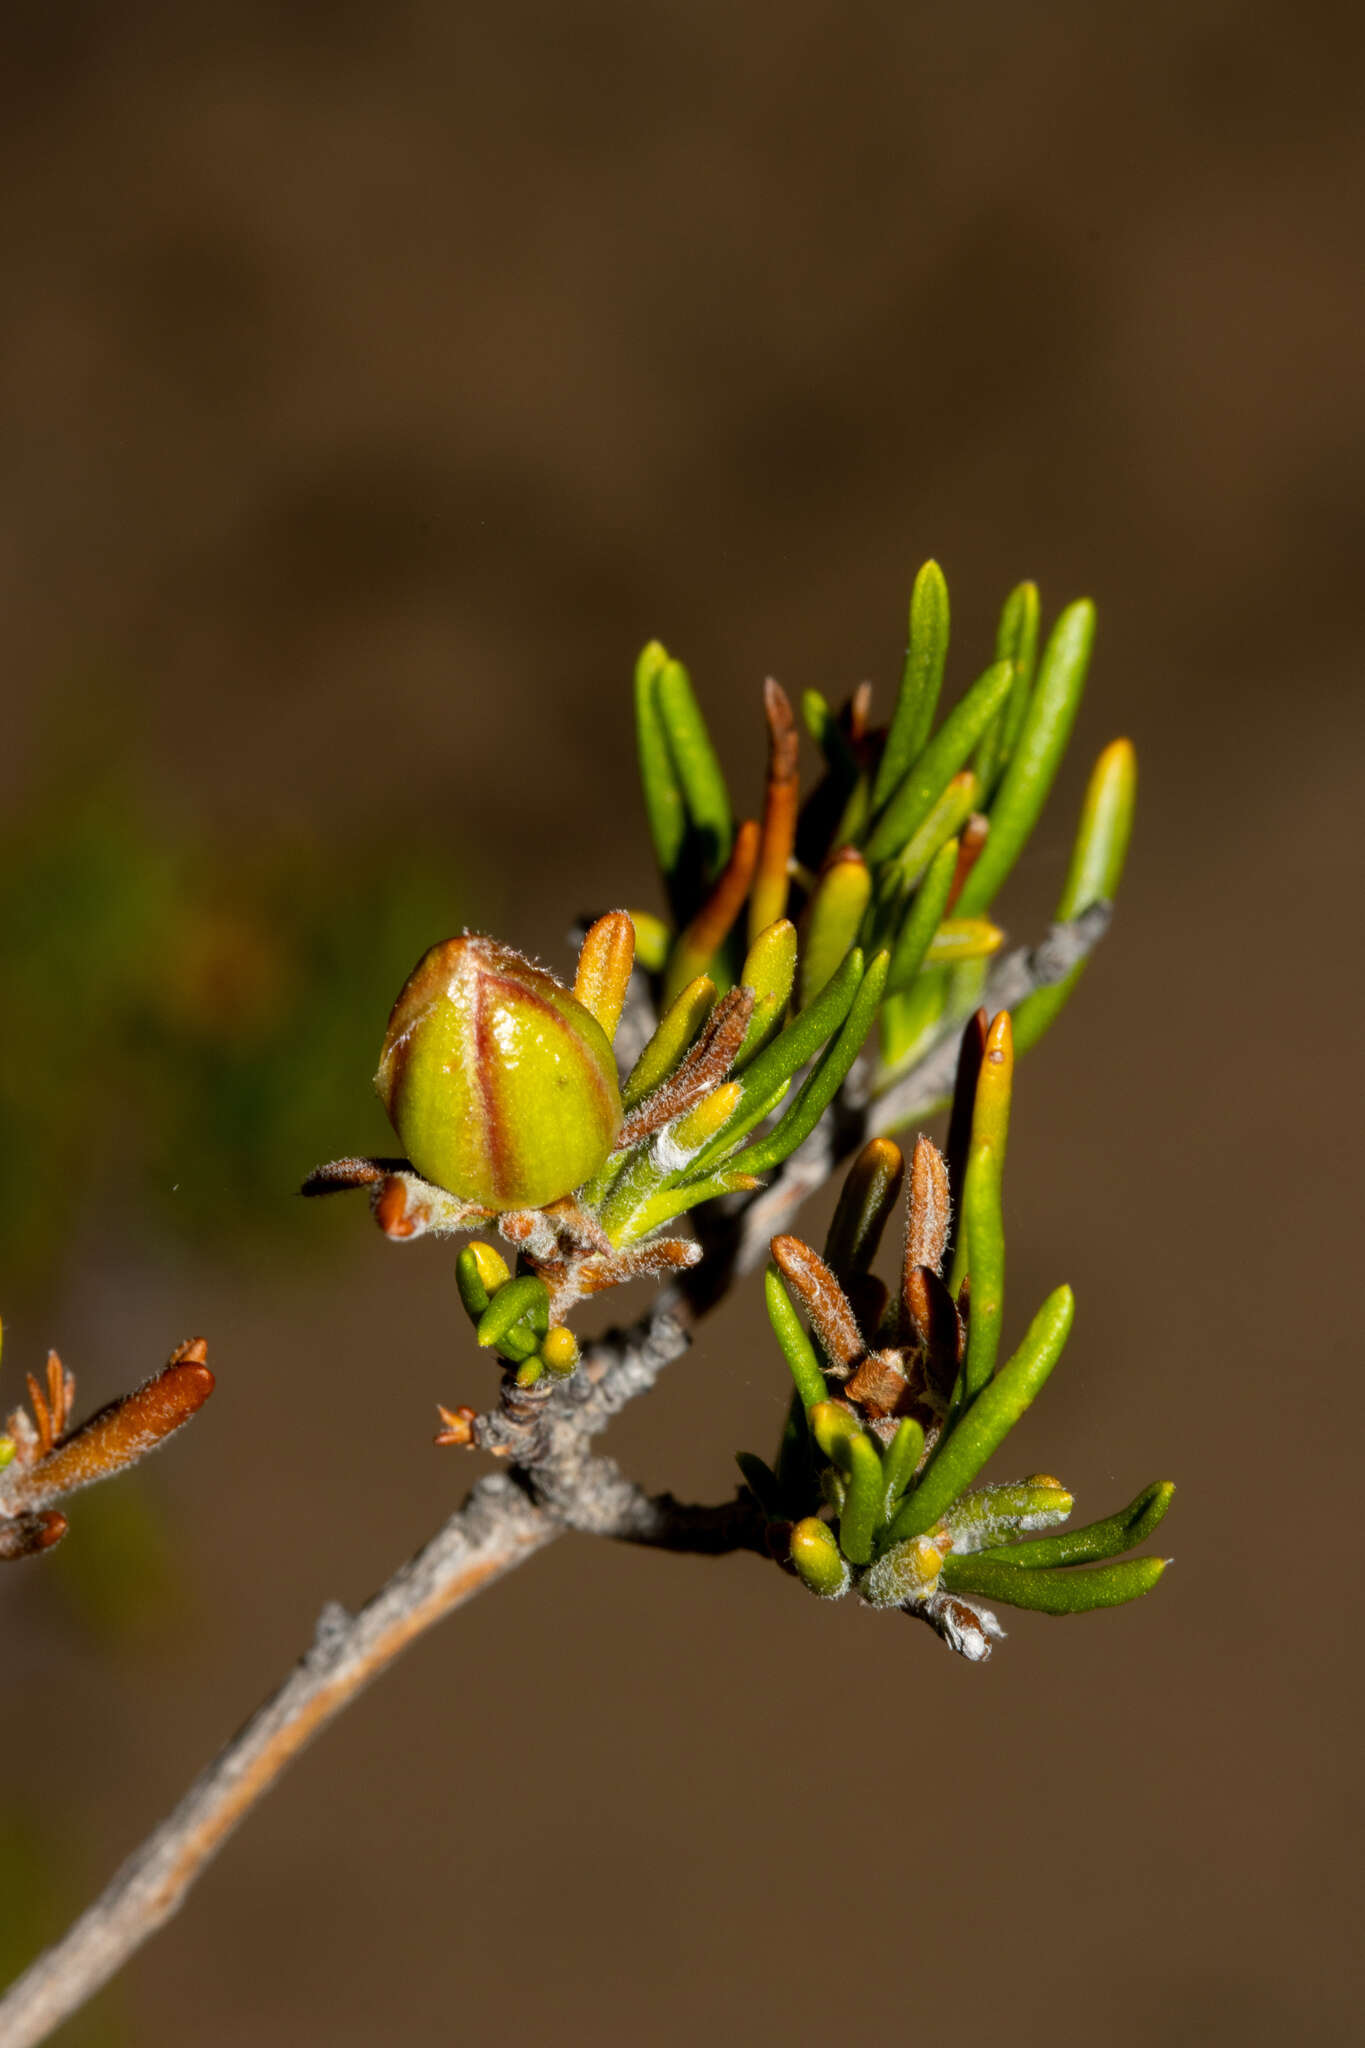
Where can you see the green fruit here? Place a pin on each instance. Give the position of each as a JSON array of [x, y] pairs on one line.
[[501, 1086]]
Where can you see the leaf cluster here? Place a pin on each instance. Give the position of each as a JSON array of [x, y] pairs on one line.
[[904, 842], [899, 1401]]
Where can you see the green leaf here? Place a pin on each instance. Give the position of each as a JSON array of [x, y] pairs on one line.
[[923, 919], [663, 794], [1108, 1538], [960, 941], [817, 715], [769, 970], [864, 1508], [900, 1458], [981, 1241], [1042, 742], [921, 680], [788, 1052], [677, 1199], [833, 916], [770, 964], [945, 820], [852, 820], [977, 1520], [653, 941], [1053, 1592], [469, 1280], [1097, 863], [481, 1274], [681, 1022], [824, 1081], [870, 1192], [697, 768], [1016, 641], [988, 1420], [526, 1297], [796, 1346], [925, 781], [764, 1025]]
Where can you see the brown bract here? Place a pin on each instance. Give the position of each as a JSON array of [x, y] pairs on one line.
[[51, 1461]]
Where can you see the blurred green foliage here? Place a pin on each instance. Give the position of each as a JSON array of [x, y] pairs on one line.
[[177, 1008], [40, 1887]]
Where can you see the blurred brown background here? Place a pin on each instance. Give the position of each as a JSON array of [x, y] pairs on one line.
[[374, 382]]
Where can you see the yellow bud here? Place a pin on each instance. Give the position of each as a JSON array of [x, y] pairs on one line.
[[491, 1266], [817, 1558], [559, 1351], [711, 1114]]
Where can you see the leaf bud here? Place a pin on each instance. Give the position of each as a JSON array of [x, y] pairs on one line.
[[500, 1084], [816, 1557], [833, 1428], [907, 1572], [559, 1350]]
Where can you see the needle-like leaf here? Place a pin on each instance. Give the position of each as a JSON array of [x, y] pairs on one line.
[[925, 781], [864, 1507], [526, 1298], [796, 1346], [1097, 1540], [921, 680], [680, 1024], [770, 971], [870, 1192], [698, 770], [1096, 870], [832, 919], [983, 1215], [1016, 641], [899, 1460], [923, 919], [788, 1052], [664, 806], [1054, 1592], [984, 1425], [823, 1083], [1042, 742]]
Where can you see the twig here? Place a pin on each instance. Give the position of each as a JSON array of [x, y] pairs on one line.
[[1021, 973], [497, 1528]]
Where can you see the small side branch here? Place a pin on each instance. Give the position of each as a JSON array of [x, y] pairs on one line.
[[1019, 974], [595, 1497]]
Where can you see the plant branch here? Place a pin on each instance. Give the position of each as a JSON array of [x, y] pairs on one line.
[[554, 1484], [497, 1528]]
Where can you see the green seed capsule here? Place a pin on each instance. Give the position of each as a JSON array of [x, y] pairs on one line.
[[501, 1086]]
